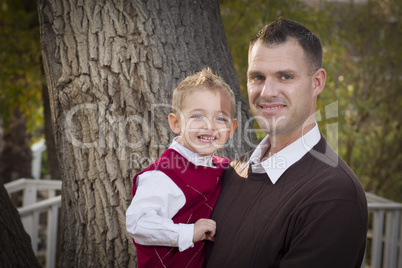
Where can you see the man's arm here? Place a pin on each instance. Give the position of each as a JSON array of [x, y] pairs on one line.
[[328, 234]]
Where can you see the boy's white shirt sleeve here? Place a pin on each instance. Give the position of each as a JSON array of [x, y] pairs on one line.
[[149, 216]]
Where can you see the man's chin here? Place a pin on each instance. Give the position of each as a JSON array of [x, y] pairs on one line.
[[272, 130]]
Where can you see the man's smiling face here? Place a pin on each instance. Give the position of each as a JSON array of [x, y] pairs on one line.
[[281, 87]]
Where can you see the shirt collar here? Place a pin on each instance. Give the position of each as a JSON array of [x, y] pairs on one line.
[[278, 163], [194, 158]]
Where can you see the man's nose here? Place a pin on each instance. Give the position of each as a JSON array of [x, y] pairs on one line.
[[270, 89]]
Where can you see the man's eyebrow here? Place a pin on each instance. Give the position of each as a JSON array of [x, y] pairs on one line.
[[286, 71], [254, 73]]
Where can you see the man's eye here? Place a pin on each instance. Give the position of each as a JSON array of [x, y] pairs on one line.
[[255, 79], [286, 77], [258, 78]]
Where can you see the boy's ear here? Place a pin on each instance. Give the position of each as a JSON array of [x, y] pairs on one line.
[[174, 123], [233, 127]]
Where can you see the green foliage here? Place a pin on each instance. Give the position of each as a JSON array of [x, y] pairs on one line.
[[362, 58], [242, 19], [372, 36], [21, 77]]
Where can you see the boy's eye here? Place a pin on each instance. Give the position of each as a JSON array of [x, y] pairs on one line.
[[197, 116], [220, 118]]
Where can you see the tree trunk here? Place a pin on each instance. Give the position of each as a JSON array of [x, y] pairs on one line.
[[54, 167], [15, 243], [111, 67], [15, 157]]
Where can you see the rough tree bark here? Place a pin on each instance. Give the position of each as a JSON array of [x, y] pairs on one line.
[[54, 167], [15, 243], [111, 67]]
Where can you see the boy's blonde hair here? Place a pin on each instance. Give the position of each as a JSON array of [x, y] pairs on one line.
[[206, 79]]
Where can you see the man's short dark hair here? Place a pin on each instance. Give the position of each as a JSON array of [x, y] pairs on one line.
[[278, 32]]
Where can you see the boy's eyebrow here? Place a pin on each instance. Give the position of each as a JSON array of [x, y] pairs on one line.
[[202, 110], [197, 110]]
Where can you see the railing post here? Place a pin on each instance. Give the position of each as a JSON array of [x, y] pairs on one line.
[[376, 241], [37, 150], [400, 247], [51, 243], [391, 239], [395, 239], [31, 222]]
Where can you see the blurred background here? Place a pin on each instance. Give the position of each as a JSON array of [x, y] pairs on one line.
[[359, 111], [361, 40]]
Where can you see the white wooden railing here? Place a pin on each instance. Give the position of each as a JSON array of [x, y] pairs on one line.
[[384, 239]]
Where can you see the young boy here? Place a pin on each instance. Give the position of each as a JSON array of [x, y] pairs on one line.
[[173, 198]]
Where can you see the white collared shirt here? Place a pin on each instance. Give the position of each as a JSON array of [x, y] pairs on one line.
[[278, 163], [194, 158], [157, 200]]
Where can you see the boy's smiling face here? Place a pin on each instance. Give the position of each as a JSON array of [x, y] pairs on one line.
[[205, 122]]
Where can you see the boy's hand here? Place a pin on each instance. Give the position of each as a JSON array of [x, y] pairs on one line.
[[204, 229]]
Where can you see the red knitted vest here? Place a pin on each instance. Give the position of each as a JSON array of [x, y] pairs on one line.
[[201, 187]]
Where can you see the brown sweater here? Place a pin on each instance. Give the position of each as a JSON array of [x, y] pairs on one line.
[[315, 216]]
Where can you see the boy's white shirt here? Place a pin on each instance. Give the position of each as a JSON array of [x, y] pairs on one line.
[[157, 200]]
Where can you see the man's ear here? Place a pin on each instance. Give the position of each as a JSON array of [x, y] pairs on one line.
[[233, 127], [174, 123], [319, 78]]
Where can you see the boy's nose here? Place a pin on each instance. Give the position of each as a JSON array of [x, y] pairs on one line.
[[210, 124]]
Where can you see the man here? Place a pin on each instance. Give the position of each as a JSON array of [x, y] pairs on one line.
[[292, 202]]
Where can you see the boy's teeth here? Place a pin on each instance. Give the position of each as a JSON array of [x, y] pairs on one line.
[[207, 138]]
